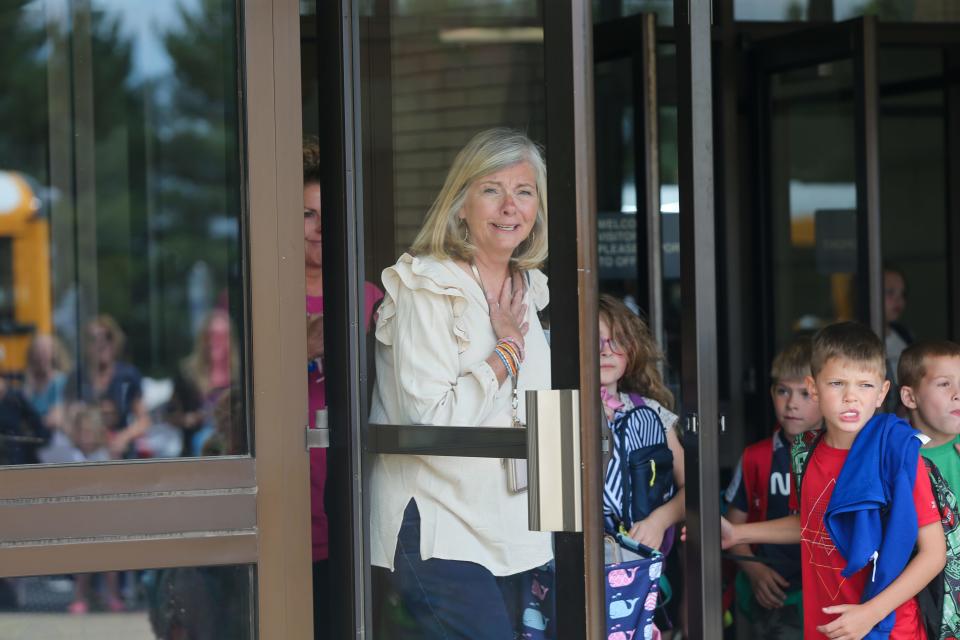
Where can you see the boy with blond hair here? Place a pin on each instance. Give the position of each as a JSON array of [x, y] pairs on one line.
[[929, 375], [868, 527], [760, 490]]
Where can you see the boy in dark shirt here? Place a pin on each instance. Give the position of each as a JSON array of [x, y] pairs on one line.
[[22, 431], [760, 490]]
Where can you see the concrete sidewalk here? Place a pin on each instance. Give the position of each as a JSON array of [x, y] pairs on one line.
[[92, 626]]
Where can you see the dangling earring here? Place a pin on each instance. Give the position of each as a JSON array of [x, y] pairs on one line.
[[466, 230], [533, 236]]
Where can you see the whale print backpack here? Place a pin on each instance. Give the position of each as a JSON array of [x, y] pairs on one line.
[[631, 590], [536, 600]]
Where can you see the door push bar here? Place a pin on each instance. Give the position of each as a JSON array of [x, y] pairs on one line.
[[553, 460]]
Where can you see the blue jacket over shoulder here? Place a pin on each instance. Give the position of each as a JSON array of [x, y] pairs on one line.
[[871, 515]]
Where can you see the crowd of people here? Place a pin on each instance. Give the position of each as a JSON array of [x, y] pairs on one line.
[[868, 548], [94, 408], [861, 539]]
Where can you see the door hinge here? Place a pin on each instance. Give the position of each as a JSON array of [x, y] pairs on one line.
[[319, 436]]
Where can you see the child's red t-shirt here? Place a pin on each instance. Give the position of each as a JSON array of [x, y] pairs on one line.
[[823, 586]]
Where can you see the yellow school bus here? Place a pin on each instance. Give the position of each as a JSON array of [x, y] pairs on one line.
[[25, 295]]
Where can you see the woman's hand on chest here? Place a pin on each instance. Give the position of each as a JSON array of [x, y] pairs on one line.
[[508, 312]]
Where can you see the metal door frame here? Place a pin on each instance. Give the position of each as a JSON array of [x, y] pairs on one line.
[[212, 511], [699, 391]]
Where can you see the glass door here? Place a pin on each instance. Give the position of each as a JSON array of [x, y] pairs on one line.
[[154, 473], [819, 193], [952, 102], [630, 239], [838, 108], [425, 413], [637, 218]]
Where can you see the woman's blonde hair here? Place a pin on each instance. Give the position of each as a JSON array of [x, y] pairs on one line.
[[115, 334], [641, 351], [61, 358], [196, 366], [443, 234]]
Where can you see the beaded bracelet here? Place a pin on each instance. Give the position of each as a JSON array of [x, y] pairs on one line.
[[503, 359], [512, 350], [516, 345], [512, 367], [514, 358]]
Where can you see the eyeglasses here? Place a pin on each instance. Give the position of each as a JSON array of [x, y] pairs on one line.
[[612, 344]]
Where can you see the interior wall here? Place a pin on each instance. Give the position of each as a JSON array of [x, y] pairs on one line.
[[444, 91]]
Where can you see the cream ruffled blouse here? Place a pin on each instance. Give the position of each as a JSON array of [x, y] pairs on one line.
[[433, 337]]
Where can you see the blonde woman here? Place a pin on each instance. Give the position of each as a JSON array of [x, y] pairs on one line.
[[104, 380], [46, 377], [457, 329], [204, 376]]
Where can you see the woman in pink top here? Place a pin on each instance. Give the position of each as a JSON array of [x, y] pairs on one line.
[[316, 389]]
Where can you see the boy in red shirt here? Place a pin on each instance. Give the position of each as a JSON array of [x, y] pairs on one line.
[[761, 490], [848, 369]]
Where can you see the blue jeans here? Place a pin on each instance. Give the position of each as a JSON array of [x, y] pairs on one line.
[[455, 599]]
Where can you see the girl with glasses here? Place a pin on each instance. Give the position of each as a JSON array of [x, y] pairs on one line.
[[629, 379]]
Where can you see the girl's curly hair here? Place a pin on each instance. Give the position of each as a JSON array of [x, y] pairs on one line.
[[641, 351]]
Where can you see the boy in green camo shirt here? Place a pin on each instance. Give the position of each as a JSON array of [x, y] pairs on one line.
[[929, 377]]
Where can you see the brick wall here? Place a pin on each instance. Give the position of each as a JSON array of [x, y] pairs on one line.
[[444, 92]]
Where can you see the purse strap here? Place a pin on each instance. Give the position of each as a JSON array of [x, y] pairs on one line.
[[514, 404], [511, 465], [626, 482], [617, 553], [515, 401]]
